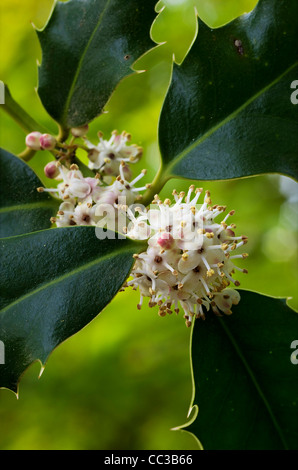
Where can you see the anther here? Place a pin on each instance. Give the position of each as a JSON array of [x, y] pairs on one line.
[[161, 313], [74, 167]]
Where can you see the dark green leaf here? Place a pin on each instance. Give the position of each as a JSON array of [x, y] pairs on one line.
[[246, 385], [228, 111], [22, 208], [53, 283], [88, 47]]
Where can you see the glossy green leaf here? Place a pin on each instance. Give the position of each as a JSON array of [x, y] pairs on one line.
[[53, 283], [87, 48], [22, 208], [245, 381], [228, 112]]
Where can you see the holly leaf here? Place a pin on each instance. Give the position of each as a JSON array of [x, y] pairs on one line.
[[228, 112], [246, 376], [53, 283], [87, 48], [22, 208]]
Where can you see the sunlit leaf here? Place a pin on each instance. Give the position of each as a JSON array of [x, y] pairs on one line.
[[87, 48], [228, 112]]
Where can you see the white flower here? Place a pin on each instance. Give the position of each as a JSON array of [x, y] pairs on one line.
[[84, 214], [122, 188], [65, 215], [74, 186], [107, 155], [115, 199], [83, 197], [189, 259], [70, 214]]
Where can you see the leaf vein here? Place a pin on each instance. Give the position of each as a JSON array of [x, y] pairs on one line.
[[255, 382], [229, 118], [60, 279], [76, 76]]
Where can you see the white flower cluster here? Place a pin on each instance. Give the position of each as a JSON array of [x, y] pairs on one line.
[[104, 157], [108, 154], [83, 196], [189, 259], [189, 262]]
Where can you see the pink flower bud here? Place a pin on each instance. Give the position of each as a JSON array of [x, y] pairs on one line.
[[51, 170], [32, 140], [165, 241], [79, 131], [47, 142]]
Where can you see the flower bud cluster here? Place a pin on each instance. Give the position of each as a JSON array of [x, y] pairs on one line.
[[190, 257], [37, 141], [104, 158]]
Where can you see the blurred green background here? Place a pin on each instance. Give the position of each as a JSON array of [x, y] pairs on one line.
[[124, 381]]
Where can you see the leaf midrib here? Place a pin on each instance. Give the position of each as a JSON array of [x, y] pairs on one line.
[[223, 122], [254, 381], [59, 279], [30, 206], [76, 76]]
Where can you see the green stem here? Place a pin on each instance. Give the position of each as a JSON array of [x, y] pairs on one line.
[[63, 134], [27, 154], [20, 116], [157, 184], [23, 119]]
